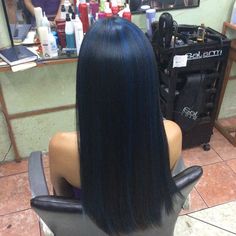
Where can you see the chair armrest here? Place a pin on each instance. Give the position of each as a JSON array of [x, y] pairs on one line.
[[57, 204], [188, 177], [37, 180]]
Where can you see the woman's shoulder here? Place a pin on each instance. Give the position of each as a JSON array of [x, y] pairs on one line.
[[63, 142], [172, 129], [169, 124], [64, 157]]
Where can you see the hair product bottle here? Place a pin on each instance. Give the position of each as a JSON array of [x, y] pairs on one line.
[[126, 13], [201, 33], [44, 40], [114, 7], [38, 16], [70, 36], [79, 35], [150, 17], [108, 10], [83, 10], [60, 26], [94, 6], [63, 12], [67, 4], [52, 45], [70, 11], [45, 21]]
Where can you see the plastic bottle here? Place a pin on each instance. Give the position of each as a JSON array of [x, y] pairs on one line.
[[201, 33], [114, 7], [91, 18], [67, 4], [52, 45], [233, 15], [45, 21], [38, 16], [102, 6], [101, 15], [108, 11], [60, 26], [79, 35], [120, 4], [126, 13], [94, 6], [63, 12], [44, 40], [150, 17], [70, 11], [83, 10], [69, 30]]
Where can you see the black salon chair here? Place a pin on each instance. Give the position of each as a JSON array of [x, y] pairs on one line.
[[65, 217]]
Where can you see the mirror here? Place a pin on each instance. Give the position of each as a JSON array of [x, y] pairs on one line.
[[21, 19], [161, 5]]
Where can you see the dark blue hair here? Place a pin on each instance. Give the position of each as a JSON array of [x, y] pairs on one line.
[[125, 175]]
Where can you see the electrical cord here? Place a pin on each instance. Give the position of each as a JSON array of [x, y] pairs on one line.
[[5, 156], [10, 146]]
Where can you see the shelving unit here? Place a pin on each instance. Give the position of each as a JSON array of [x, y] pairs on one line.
[[190, 94]]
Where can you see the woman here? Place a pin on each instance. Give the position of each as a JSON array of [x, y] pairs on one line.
[[52, 8], [122, 166]]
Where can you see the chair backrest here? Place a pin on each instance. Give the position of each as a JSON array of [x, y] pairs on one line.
[[65, 216]]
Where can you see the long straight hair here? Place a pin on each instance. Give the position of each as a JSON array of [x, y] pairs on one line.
[[124, 163]]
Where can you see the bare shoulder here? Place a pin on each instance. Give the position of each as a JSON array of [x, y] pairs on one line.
[[64, 157], [174, 139], [63, 140], [169, 125], [63, 145]]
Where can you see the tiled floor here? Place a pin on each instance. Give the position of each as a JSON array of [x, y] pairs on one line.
[[212, 202]]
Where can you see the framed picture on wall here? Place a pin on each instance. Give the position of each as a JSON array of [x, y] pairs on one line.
[[161, 5]]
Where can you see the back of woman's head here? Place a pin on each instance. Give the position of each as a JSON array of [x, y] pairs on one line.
[[125, 174]]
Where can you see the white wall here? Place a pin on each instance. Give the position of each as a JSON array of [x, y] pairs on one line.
[[211, 12]]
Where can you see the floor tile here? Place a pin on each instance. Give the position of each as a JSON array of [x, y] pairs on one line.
[[223, 147], [23, 223], [232, 164], [196, 203], [217, 185], [187, 226], [228, 121], [222, 216], [14, 193], [197, 156], [11, 168]]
